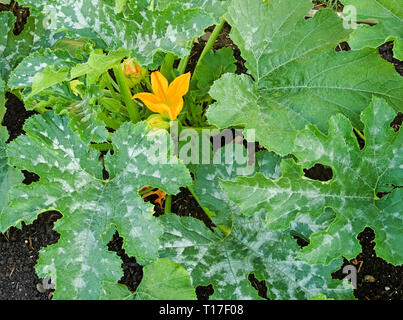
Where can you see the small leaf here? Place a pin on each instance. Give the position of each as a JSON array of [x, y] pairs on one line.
[[114, 291], [47, 78], [165, 280], [212, 67]]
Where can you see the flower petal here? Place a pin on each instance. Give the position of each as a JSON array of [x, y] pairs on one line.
[[159, 84], [152, 102], [179, 87], [175, 108]]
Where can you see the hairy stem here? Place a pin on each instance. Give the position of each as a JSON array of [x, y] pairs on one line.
[[126, 94], [211, 40], [168, 203], [183, 64], [167, 67]]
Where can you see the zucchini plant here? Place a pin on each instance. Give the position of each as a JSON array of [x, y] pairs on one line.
[[122, 111]]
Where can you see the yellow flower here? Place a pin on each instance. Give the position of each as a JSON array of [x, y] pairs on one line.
[[166, 99]]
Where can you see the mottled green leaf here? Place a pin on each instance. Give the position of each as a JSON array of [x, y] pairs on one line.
[[150, 32], [165, 280], [351, 193], [23, 75], [71, 182], [389, 17], [13, 48], [226, 262], [9, 176], [299, 78]]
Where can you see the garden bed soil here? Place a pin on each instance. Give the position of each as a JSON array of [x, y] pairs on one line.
[[19, 248]]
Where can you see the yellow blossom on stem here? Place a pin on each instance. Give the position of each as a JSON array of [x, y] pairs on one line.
[[166, 99]]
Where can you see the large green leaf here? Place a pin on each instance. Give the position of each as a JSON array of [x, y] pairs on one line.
[[165, 280], [71, 182], [152, 31], [299, 77], [358, 175], [225, 262], [389, 17]]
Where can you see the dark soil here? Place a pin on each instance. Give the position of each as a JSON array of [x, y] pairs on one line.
[[19, 252], [15, 116], [376, 279], [222, 41], [386, 51], [19, 249]]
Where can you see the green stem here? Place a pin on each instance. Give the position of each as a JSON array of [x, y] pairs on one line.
[[183, 64], [358, 132], [102, 146], [141, 193], [167, 67], [168, 202], [109, 85], [211, 40], [126, 94]]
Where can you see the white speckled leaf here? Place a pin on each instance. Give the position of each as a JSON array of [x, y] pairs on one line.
[[13, 48], [169, 30], [225, 263], [23, 75], [299, 77], [357, 177], [388, 14], [71, 182], [165, 280]]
